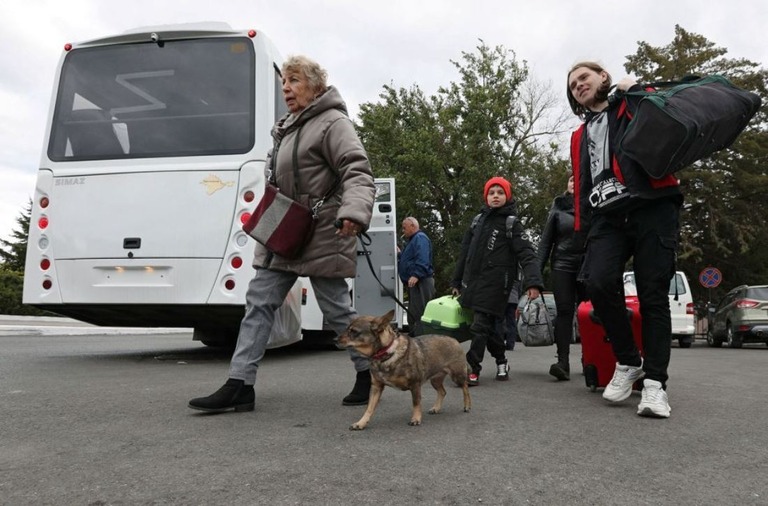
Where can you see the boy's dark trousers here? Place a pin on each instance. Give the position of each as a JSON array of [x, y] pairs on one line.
[[649, 234], [484, 333], [507, 326]]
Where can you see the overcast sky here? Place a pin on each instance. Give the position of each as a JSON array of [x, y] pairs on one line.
[[363, 44]]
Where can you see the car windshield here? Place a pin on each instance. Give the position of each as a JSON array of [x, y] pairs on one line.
[[630, 288], [676, 284], [757, 293]]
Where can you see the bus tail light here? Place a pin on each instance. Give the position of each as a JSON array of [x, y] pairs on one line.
[[45, 264], [303, 296], [241, 240], [229, 284], [44, 201], [245, 217], [47, 284], [249, 196], [236, 262], [42, 222]]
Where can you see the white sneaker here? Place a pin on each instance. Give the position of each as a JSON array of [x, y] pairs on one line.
[[620, 387], [654, 400], [502, 372]]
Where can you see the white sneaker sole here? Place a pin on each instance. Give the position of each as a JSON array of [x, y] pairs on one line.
[[650, 413], [622, 396]]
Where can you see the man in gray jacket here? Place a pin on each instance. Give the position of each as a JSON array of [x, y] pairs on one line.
[[317, 141]]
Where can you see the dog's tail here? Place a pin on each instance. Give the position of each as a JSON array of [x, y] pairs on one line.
[[461, 379]]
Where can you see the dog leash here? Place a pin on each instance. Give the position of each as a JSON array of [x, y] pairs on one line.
[[363, 237]]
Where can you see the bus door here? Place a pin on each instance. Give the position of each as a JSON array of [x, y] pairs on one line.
[[379, 259], [368, 297]]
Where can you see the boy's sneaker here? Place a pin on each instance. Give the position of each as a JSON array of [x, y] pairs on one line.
[[474, 379], [620, 386], [502, 372], [654, 400]]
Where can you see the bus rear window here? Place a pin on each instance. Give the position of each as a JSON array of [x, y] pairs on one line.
[[178, 98]]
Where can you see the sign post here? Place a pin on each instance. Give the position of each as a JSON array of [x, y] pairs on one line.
[[710, 277]]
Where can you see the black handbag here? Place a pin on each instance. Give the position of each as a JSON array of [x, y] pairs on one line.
[[685, 121]]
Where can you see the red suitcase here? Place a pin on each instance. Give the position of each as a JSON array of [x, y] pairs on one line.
[[597, 356]]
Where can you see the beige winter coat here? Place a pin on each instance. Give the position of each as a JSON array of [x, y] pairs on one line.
[[328, 145]]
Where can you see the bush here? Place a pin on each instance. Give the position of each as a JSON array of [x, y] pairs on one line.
[[11, 287]]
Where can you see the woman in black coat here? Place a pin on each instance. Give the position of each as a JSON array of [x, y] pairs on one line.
[[558, 247]]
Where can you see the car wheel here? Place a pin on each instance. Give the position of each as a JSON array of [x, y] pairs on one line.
[[685, 342], [733, 340], [319, 340], [225, 345], [712, 341]]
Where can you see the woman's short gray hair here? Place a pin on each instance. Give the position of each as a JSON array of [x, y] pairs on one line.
[[317, 76]]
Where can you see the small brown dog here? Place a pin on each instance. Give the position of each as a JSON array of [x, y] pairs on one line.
[[405, 363]]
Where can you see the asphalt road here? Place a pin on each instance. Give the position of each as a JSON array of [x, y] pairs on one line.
[[103, 419]]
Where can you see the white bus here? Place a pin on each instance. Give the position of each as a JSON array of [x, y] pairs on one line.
[[153, 158]]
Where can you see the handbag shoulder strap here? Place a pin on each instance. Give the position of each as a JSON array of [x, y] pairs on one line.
[[296, 162], [331, 190]]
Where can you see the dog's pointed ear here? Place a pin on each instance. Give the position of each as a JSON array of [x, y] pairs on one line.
[[382, 321]]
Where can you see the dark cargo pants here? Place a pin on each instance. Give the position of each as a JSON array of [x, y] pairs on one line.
[[649, 235]]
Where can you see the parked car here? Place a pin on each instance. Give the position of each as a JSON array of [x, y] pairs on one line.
[[740, 317], [680, 306]]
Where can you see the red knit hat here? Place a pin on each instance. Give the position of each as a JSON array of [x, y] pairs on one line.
[[506, 185]]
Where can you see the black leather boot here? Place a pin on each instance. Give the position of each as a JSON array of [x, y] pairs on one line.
[[561, 370], [360, 392], [233, 395]]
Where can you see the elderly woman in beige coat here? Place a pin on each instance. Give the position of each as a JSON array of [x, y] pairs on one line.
[[329, 152]]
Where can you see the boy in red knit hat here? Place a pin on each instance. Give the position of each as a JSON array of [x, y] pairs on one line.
[[491, 250]]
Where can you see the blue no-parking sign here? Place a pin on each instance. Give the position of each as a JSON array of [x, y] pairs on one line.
[[710, 277]]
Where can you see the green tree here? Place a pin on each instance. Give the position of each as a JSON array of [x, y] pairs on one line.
[[724, 217], [494, 120], [11, 287], [13, 253]]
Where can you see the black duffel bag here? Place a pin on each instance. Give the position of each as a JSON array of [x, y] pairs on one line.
[[684, 121]]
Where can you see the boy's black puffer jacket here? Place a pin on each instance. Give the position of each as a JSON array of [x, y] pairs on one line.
[[487, 265]]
